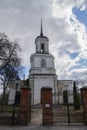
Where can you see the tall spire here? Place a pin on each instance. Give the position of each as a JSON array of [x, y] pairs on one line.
[[41, 32]]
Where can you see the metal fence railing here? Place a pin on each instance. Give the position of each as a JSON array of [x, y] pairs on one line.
[[9, 113], [66, 114]]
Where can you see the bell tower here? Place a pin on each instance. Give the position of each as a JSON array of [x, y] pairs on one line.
[[42, 42], [42, 71]]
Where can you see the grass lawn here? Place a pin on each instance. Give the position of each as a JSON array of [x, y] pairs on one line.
[[9, 109]]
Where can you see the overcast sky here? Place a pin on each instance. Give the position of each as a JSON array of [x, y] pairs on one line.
[[64, 23]]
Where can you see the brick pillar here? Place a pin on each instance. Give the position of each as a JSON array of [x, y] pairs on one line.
[[47, 105], [25, 106], [84, 100]]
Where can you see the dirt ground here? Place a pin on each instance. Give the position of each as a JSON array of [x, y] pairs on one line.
[[36, 116]]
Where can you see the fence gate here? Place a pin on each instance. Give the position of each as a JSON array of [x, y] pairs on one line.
[[64, 113]]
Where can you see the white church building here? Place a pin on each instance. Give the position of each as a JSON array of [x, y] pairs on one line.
[[42, 72]]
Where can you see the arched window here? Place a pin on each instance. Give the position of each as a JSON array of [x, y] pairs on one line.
[[17, 99], [42, 48], [65, 96], [43, 64]]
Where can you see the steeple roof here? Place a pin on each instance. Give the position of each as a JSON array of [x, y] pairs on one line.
[[41, 32]]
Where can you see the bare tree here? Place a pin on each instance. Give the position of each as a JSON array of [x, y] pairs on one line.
[[8, 52], [9, 62]]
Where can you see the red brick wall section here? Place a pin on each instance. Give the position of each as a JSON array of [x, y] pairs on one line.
[[25, 103], [84, 100], [47, 105]]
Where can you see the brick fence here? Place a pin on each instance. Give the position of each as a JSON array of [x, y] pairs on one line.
[[25, 106], [84, 101], [47, 105]]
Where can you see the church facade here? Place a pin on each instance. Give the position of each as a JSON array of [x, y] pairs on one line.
[[42, 72]]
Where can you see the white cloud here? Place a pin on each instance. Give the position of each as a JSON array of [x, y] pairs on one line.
[[21, 20]]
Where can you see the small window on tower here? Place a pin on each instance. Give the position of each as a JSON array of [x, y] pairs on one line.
[[43, 64], [42, 48]]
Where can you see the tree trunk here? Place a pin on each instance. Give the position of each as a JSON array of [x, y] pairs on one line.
[[2, 101], [3, 96]]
